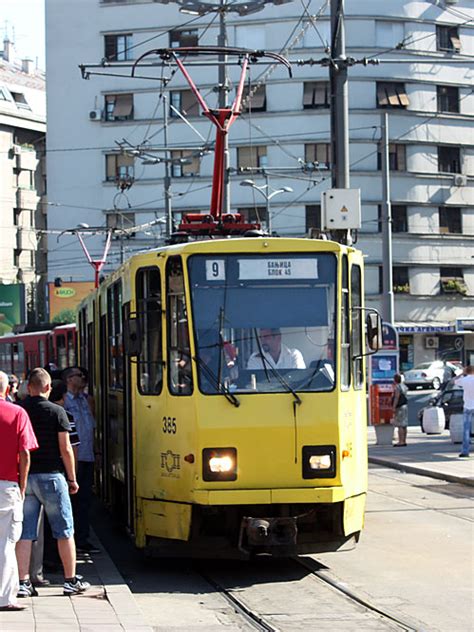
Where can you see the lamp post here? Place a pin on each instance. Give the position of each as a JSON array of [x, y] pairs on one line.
[[264, 190]]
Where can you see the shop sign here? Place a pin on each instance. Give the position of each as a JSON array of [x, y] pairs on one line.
[[465, 325], [426, 329]]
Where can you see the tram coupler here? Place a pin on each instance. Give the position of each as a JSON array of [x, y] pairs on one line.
[[268, 535]]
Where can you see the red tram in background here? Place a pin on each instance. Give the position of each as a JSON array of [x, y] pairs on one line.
[[55, 347]]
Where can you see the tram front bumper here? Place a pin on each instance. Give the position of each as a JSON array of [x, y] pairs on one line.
[[269, 496]]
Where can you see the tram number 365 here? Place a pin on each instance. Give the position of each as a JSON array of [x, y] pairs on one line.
[[169, 425]]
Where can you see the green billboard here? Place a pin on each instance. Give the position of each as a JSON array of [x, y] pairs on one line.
[[12, 306]]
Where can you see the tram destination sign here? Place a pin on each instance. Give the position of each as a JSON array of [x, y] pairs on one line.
[[281, 268]]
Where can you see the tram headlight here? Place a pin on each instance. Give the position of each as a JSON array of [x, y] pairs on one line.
[[219, 464], [319, 461]]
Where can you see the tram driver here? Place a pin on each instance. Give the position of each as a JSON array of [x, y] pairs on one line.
[[275, 354]]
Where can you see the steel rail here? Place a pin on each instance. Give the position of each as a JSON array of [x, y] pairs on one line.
[[247, 613], [337, 585]]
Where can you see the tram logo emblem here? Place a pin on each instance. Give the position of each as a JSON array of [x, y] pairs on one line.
[[170, 463]]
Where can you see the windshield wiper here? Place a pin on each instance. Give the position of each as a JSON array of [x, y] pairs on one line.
[[276, 373], [213, 378]]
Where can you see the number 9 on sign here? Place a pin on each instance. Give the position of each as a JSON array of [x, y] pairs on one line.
[[215, 270]]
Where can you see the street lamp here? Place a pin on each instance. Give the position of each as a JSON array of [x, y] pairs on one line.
[[264, 190]]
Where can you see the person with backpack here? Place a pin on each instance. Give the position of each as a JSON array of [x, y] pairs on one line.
[[400, 410]]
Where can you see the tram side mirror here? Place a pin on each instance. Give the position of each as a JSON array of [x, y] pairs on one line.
[[374, 331], [131, 337]]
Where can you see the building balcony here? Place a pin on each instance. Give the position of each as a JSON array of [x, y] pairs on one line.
[[26, 239], [27, 199], [27, 159]]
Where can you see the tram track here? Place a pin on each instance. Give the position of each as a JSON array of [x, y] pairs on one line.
[[250, 616], [325, 577], [381, 618]]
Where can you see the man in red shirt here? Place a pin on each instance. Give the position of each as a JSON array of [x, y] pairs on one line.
[[17, 439]]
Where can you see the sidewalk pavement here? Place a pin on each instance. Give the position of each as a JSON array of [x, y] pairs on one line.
[[428, 455], [108, 606]]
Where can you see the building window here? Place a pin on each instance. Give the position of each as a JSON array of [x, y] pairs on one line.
[[253, 214], [184, 164], [4, 94], [448, 98], [316, 94], [119, 167], [313, 216], [252, 157], [122, 221], [391, 95], [257, 102], [396, 157], [119, 107], [20, 100], [401, 281], [449, 160], [450, 219], [185, 102], [117, 47], [318, 155], [399, 218], [452, 281], [447, 39], [380, 268], [181, 38]]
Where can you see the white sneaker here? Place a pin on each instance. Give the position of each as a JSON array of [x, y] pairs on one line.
[[75, 587]]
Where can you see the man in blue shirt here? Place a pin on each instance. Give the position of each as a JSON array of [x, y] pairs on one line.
[[77, 403]]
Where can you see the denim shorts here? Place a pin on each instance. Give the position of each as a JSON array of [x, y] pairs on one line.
[[51, 491]]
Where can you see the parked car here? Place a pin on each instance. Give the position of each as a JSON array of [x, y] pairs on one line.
[[450, 400], [431, 374]]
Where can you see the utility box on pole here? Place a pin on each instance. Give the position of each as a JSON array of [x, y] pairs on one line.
[[340, 209]]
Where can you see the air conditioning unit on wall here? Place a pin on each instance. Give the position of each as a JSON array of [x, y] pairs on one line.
[[460, 180], [431, 342], [95, 115]]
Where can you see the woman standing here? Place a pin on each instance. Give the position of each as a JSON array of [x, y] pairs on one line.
[[400, 410]]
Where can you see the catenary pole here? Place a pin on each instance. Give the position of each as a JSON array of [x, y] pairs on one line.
[[387, 277], [339, 98]]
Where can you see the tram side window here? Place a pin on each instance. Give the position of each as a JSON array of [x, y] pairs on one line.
[[149, 310], [345, 340], [115, 335], [180, 379], [61, 351], [6, 357], [41, 353], [356, 337], [18, 358]]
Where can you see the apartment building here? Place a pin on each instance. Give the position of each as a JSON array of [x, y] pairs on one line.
[[23, 178], [423, 82]]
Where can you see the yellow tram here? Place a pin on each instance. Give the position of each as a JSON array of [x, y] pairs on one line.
[[229, 380]]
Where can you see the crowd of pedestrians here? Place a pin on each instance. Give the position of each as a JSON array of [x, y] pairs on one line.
[[46, 478]]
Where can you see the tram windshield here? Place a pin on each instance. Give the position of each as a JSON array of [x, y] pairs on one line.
[[264, 323]]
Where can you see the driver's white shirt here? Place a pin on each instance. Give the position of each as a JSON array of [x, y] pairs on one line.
[[289, 359]]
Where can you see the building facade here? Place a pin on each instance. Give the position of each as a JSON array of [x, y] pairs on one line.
[[423, 82], [23, 178]]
